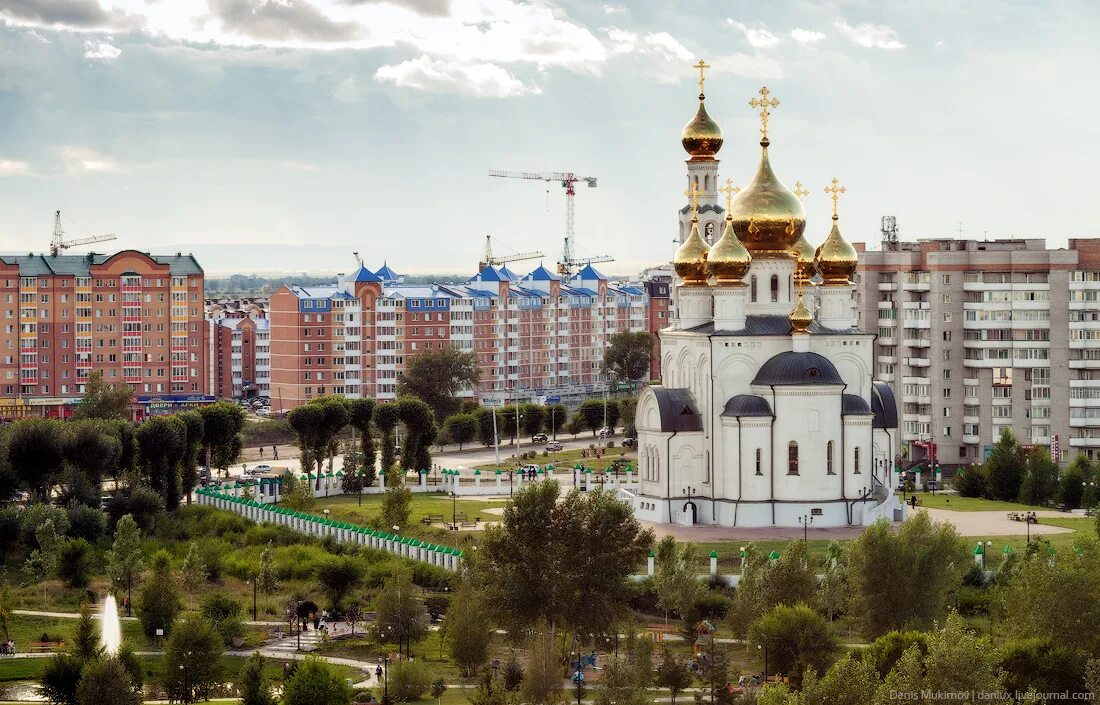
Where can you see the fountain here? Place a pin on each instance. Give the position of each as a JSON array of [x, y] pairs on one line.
[[111, 630]]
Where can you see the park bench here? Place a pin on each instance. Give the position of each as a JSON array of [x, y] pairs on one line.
[[461, 518], [432, 519], [468, 524], [42, 646]]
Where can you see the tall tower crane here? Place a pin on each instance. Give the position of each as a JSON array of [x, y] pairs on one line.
[[487, 259], [58, 243], [568, 181]]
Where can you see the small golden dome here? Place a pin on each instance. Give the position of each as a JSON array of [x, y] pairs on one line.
[[800, 317], [836, 259], [767, 216], [728, 261], [804, 252], [702, 138], [690, 261]]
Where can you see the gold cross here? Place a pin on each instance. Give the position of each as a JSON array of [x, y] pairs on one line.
[[729, 189], [835, 190], [702, 66], [799, 191], [764, 103], [693, 194]]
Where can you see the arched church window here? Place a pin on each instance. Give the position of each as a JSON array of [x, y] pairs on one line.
[[752, 288], [855, 461], [759, 468], [792, 458], [829, 459], [775, 288]]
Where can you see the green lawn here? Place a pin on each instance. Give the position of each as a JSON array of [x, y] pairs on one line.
[[970, 504], [346, 508], [564, 460]]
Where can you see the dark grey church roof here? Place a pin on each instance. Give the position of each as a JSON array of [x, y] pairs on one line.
[[678, 410], [797, 368], [757, 325], [747, 405], [884, 406], [854, 405], [704, 208]]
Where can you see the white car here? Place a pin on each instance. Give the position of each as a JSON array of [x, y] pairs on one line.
[[263, 411], [257, 470]]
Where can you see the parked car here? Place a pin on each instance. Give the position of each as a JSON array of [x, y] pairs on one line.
[[630, 442], [539, 438], [606, 431], [262, 411], [554, 447], [257, 470]]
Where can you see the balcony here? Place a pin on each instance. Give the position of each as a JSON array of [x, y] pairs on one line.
[[887, 341], [887, 286], [916, 285], [885, 305], [1084, 364], [918, 362], [885, 377], [971, 438], [1085, 442], [917, 342]]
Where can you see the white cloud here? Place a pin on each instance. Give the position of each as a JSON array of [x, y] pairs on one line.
[[659, 44], [100, 51], [483, 80], [12, 167], [747, 66], [871, 36], [83, 160], [759, 37], [614, 9], [806, 36]]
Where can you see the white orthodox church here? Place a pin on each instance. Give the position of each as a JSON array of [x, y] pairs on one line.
[[767, 413]]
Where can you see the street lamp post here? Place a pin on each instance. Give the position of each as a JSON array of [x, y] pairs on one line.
[[805, 520], [385, 680], [765, 648], [454, 511]]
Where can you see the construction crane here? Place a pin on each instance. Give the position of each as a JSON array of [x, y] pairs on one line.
[[487, 259], [58, 243], [568, 181]]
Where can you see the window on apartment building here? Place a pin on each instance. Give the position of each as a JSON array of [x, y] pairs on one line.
[[947, 317], [946, 431], [947, 298], [947, 336], [946, 354]]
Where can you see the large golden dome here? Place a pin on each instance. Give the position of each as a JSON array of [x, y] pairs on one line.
[[836, 259], [804, 252], [728, 260], [690, 261], [702, 138], [767, 216]]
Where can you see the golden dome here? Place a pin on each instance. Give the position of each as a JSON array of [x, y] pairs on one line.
[[702, 138], [728, 260], [690, 261], [800, 317], [767, 216], [836, 259], [804, 252]]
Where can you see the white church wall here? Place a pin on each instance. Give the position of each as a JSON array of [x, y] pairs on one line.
[[857, 434], [810, 417], [852, 356]]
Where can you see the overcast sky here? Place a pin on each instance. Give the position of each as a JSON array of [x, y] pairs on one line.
[[284, 134]]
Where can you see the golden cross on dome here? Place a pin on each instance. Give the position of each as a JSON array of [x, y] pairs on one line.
[[693, 194], [835, 190], [702, 66], [799, 191], [763, 102], [729, 189]]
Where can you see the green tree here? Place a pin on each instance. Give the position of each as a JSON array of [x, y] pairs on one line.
[[460, 429], [75, 562], [972, 481], [193, 445], [436, 376], [532, 419], [60, 679], [85, 522], [469, 631], [628, 407], [904, 579], [106, 681], [566, 562], [193, 665], [620, 685], [849, 681], [338, 576], [796, 638], [360, 415], [543, 682], [592, 413], [1042, 666], [124, 560], [93, 449], [133, 666], [267, 580], [399, 615], [1006, 467], [127, 459], [714, 675], [193, 571], [1040, 478], [253, 684], [885, 651], [1070, 489], [6, 614], [556, 418], [42, 561], [575, 425], [765, 583], [222, 423], [408, 681], [104, 401], [628, 353], [396, 505], [36, 452], [317, 424], [420, 433], [316, 683], [224, 614], [673, 674], [834, 582], [1057, 597], [159, 601], [674, 578], [161, 444], [439, 687], [386, 418], [484, 416], [86, 637]]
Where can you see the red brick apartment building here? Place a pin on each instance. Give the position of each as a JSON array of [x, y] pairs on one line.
[[136, 318]]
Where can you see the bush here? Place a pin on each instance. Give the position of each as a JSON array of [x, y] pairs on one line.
[[74, 563], [224, 614], [60, 679], [315, 683], [159, 601], [86, 522], [142, 502], [973, 601], [972, 482], [1042, 665], [796, 637], [409, 680], [641, 596], [213, 554], [35, 516], [712, 606], [885, 651]]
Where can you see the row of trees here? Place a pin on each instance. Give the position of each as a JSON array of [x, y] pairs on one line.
[[477, 423], [1013, 474]]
